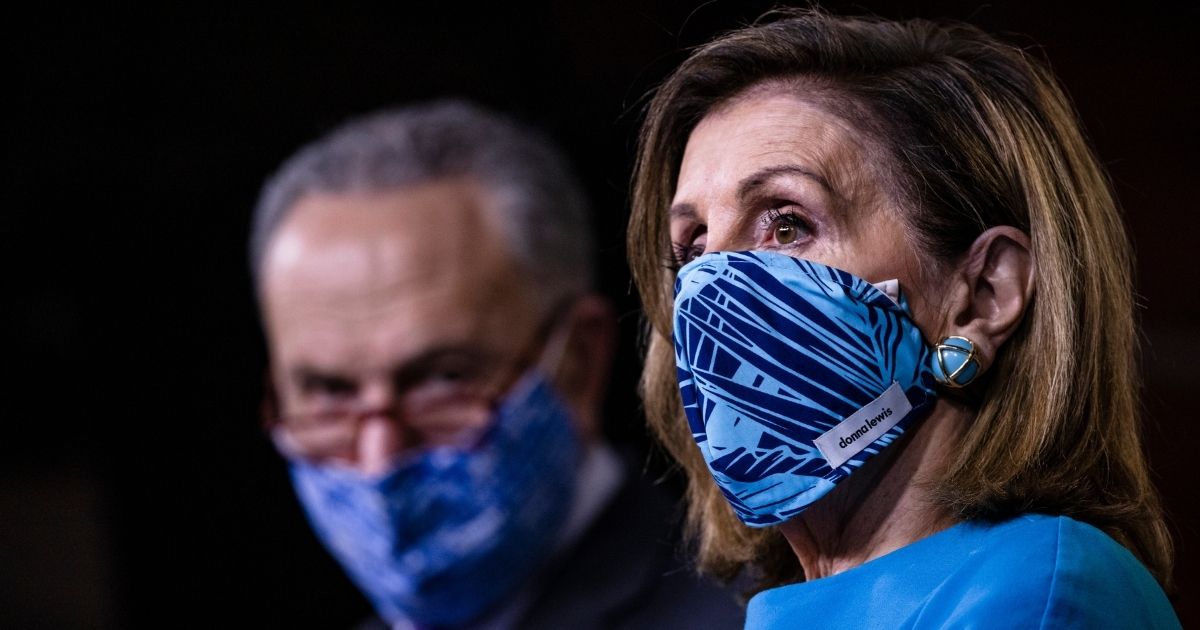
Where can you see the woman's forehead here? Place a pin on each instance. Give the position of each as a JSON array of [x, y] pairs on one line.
[[777, 129]]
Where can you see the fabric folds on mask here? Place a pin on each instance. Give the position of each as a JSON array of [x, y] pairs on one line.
[[792, 374], [449, 533]]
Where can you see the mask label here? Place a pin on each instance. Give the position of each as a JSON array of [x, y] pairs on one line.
[[866, 425]]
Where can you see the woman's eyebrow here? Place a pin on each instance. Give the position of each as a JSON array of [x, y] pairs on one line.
[[682, 210], [752, 182]]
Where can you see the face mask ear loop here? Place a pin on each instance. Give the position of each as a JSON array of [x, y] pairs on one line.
[[549, 359], [556, 348]]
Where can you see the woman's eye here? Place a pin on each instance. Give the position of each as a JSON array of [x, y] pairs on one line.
[[785, 233], [786, 228], [689, 247], [684, 254]]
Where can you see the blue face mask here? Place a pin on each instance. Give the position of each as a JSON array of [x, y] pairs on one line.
[[792, 374], [449, 533]]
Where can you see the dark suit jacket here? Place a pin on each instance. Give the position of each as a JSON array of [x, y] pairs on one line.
[[627, 572]]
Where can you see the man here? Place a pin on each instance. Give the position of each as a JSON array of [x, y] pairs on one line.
[[440, 361]]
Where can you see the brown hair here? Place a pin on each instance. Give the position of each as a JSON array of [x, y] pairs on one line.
[[977, 135]]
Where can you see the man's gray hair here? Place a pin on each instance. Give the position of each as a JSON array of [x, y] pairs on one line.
[[536, 195]]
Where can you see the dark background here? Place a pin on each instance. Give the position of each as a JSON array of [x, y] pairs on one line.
[[135, 487]]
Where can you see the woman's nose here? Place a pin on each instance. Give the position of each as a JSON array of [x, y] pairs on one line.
[[720, 235]]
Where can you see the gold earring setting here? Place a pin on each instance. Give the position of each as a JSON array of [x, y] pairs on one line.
[[956, 362]]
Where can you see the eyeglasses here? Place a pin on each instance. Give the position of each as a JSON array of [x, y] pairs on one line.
[[448, 403]]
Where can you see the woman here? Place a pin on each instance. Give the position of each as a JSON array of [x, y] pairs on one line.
[[889, 290]]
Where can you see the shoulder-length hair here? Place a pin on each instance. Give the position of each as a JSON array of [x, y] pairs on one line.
[[975, 134]]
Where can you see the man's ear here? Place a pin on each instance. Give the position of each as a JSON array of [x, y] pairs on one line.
[[993, 287], [587, 360]]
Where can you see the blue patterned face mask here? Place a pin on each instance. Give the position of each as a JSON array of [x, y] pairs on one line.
[[792, 374], [450, 532]]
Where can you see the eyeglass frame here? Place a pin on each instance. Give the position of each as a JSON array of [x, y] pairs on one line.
[[548, 340]]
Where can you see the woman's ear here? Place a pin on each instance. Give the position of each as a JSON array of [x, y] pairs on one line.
[[996, 284]]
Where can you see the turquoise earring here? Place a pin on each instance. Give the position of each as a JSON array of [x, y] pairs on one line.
[[956, 363]]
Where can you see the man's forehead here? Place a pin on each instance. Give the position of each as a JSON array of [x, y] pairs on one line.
[[350, 338], [412, 255], [367, 242]]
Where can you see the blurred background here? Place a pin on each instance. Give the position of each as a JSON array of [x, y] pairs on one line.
[[136, 489]]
